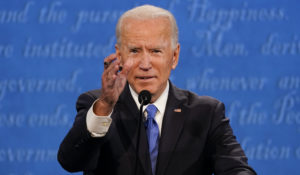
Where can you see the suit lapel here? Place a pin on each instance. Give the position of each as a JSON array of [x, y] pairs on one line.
[[173, 122], [129, 114]]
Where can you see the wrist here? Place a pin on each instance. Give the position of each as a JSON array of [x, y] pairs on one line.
[[102, 108]]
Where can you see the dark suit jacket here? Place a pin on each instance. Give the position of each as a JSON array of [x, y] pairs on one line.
[[197, 140]]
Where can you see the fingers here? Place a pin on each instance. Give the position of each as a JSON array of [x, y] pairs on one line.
[[111, 63], [108, 60], [109, 76], [110, 73], [114, 78]]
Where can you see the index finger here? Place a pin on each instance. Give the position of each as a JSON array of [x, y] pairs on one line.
[[108, 60]]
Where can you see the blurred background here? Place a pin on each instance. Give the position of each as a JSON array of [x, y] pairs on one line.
[[246, 53]]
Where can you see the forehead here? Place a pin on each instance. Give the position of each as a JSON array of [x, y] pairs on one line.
[[154, 28], [162, 21]]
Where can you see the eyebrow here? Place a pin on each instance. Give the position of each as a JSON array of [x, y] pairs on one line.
[[133, 47], [161, 46]]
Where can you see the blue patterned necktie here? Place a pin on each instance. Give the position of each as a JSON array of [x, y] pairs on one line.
[[152, 134]]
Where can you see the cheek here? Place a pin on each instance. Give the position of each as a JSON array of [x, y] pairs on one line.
[[130, 75], [164, 71], [132, 72]]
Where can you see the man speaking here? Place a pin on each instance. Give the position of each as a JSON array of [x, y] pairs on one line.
[[177, 133]]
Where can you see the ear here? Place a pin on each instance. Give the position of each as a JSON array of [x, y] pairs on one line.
[[118, 53], [175, 56]]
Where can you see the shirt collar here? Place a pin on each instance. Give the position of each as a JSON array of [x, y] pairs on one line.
[[160, 103]]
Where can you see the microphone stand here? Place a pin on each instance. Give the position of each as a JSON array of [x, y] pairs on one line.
[[144, 99], [138, 137]]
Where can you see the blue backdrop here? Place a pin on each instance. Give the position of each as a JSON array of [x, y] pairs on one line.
[[244, 52]]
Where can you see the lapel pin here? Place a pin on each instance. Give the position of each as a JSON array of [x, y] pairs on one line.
[[177, 110]]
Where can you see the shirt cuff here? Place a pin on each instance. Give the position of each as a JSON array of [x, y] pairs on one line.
[[97, 125]]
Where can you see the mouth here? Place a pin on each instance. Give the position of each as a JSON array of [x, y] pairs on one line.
[[145, 78]]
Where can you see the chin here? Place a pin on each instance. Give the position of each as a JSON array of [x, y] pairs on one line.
[[149, 88]]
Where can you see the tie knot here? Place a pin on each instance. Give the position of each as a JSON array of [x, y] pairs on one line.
[[151, 110]]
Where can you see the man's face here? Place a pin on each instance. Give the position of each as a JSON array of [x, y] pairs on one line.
[[147, 44]]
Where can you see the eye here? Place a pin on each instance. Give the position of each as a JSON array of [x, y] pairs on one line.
[[156, 51], [134, 50]]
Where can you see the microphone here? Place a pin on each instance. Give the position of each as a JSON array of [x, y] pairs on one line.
[[144, 99]]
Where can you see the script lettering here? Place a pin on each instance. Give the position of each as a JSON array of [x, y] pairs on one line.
[[85, 17], [252, 115], [27, 155], [223, 18], [274, 46], [6, 51], [52, 14], [65, 48], [207, 80], [287, 108], [265, 150], [39, 85], [214, 44], [15, 16]]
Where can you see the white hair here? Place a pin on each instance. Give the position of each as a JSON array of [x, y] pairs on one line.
[[148, 12]]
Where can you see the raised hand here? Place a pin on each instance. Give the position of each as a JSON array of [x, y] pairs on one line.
[[113, 82]]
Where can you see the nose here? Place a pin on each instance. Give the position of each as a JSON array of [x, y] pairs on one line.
[[145, 62]]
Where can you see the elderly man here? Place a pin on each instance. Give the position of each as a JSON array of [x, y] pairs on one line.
[[182, 133]]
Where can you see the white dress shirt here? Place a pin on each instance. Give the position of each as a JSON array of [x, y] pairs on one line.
[[99, 125]]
